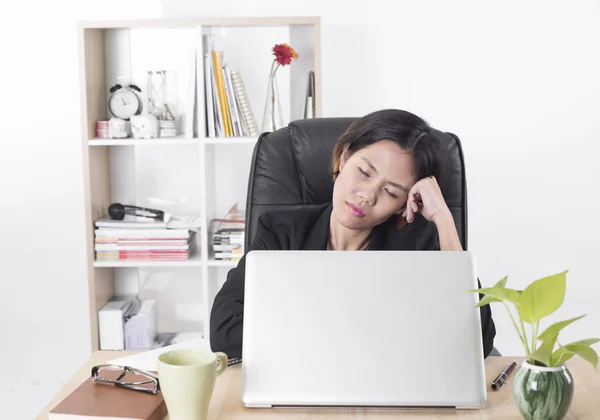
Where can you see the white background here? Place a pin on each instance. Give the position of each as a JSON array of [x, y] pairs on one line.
[[518, 83]]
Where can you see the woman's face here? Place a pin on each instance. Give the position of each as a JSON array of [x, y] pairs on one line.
[[372, 185]]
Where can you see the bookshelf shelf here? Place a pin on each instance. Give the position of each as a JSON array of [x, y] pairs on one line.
[[204, 175], [230, 140], [195, 260], [142, 142], [204, 21], [221, 263], [172, 140]]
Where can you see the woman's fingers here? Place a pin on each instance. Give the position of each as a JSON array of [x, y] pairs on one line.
[[408, 211], [424, 197], [415, 198], [412, 206]]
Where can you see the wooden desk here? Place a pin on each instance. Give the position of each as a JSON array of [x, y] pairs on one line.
[[226, 401]]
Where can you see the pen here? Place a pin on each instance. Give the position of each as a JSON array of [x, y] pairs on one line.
[[497, 383]]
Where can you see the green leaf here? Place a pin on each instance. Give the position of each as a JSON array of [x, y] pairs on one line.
[[500, 293], [586, 342], [501, 282], [553, 330], [490, 299], [487, 300], [560, 356], [544, 352], [542, 297], [580, 348], [586, 353]]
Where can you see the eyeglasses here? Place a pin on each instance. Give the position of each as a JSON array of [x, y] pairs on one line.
[[126, 377]]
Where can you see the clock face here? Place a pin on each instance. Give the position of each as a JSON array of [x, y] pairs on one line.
[[124, 104]]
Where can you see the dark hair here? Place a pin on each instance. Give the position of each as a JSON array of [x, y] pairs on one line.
[[409, 131]]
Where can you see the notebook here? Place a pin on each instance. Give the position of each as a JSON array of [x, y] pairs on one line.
[[97, 401]]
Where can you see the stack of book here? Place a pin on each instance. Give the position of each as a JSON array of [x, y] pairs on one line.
[[228, 235], [103, 129], [228, 111], [141, 241]]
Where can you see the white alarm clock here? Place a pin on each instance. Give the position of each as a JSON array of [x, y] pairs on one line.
[[124, 102]]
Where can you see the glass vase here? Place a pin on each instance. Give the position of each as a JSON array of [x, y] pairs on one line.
[[272, 116], [543, 393]]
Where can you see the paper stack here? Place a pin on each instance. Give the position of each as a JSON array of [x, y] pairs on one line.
[[147, 360], [228, 234], [141, 241]]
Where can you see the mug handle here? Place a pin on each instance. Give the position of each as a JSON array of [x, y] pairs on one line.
[[222, 362]]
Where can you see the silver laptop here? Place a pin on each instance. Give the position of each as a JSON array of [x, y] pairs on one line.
[[362, 328]]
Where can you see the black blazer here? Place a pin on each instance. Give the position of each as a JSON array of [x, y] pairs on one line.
[[306, 229]]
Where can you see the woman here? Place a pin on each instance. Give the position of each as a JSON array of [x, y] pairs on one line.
[[386, 168]]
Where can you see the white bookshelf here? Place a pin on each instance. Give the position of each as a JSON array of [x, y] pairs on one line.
[[187, 174]]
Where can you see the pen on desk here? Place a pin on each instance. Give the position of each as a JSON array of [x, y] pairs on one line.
[[499, 381]]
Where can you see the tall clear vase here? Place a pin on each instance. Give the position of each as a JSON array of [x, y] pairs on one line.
[[272, 116]]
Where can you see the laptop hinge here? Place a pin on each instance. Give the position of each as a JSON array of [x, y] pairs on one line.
[[364, 407]]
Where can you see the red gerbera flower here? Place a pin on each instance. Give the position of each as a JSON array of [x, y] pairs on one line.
[[284, 54]]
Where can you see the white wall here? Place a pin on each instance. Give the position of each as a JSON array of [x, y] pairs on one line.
[[44, 321], [517, 82]]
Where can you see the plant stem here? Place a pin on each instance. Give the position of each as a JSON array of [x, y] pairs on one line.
[[521, 336], [534, 334], [525, 337]]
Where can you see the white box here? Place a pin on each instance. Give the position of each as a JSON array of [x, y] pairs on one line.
[[111, 321], [141, 328]]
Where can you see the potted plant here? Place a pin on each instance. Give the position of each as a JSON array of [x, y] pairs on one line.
[[543, 385]]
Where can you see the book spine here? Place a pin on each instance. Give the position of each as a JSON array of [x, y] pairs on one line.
[[232, 102], [222, 97], [210, 116], [238, 102], [218, 116], [246, 109]]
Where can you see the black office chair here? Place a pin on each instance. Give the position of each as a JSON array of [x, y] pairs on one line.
[[291, 167]]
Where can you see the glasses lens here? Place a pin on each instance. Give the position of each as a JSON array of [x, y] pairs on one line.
[[109, 373], [137, 378], [129, 378]]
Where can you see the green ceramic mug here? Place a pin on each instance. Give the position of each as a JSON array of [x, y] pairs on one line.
[[187, 379]]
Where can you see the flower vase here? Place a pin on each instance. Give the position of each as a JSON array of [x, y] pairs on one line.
[[543, 393], [272, 116]]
